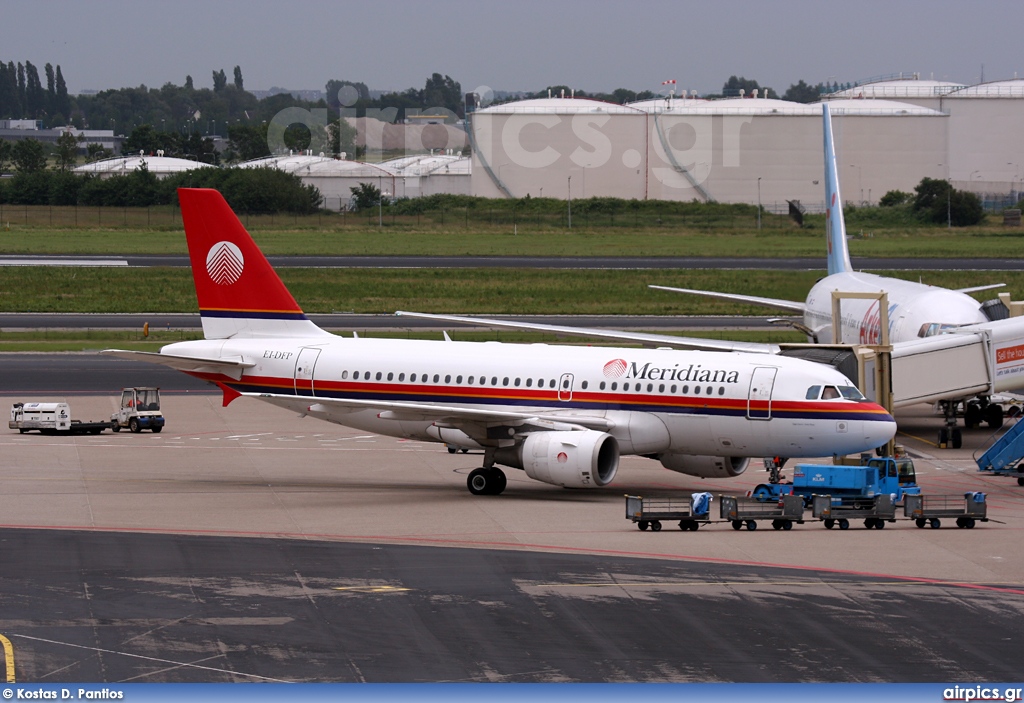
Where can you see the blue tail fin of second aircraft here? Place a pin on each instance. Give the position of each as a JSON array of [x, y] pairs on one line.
[[835, 225]]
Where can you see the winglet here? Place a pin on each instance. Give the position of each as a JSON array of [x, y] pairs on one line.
[[835, 225], [229, 394]]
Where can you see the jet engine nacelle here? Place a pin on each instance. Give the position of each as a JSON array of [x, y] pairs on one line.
[[705, 466], [573, 459]]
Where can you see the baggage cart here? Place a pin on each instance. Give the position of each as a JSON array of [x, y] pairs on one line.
[[929, 510], [651, 512], [875, 514], [785, 511]]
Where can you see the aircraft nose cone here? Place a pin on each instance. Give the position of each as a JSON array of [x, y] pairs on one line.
[[881, 428]]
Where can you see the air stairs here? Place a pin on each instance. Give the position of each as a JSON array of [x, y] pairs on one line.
[[1004, 457]]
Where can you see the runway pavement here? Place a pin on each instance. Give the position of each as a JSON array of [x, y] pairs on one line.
[[246, 543], [556, 262], [346, 322]]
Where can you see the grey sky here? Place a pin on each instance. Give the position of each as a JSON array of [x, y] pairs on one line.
[[513, 45]]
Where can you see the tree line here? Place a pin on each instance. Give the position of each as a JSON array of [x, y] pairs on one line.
[[22, 95], [185, 109]]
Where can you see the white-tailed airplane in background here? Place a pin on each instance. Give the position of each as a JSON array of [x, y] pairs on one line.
[[947, 347], [916, 312], [563, 414]]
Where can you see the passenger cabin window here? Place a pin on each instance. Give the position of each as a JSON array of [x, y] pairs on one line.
[[584, 385], [344, 375]]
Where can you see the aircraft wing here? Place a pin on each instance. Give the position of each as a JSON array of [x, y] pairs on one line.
[[223, 365], [658, 340], [790, 305], [977, 288], [457, 416]]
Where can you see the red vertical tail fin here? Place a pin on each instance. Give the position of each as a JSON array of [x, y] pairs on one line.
[[240, 294]]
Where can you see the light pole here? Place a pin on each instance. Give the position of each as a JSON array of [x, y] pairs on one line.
[[758, 203], [949, 204], [570, 200], [380, 201]]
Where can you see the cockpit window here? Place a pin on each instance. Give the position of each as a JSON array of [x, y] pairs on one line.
[[830, 393], [851, 393], [930, 329], [813, 392]]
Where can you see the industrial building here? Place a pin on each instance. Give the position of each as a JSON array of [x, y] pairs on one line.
[[732, 150], [985, 150], [406, 177], [160, 166], [890, 133]]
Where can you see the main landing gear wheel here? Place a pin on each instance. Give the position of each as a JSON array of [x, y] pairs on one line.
[[994, 416], [486, 482]]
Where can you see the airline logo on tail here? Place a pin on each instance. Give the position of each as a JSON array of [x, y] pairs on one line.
[[225, 263]]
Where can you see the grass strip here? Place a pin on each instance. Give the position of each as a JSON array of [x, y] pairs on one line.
[[456, 291]]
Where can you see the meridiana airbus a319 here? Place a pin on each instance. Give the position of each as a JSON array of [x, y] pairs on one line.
[[563, 414]]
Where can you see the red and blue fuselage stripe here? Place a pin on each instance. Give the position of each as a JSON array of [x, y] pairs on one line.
[[580, 400]]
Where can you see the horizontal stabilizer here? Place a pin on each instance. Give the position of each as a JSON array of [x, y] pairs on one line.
[[790, 305], [651, 340], [189, 364]]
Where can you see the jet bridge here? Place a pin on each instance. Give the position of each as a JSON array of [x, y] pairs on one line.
[[980, 359], [962, 363]]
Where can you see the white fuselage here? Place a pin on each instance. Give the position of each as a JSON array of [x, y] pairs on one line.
[[915, 310], [652, 401]]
